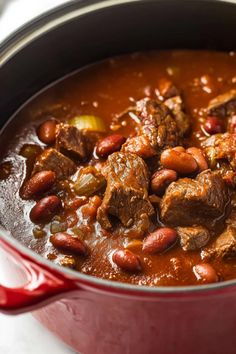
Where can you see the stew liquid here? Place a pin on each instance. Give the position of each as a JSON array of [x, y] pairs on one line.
[[128, 208]]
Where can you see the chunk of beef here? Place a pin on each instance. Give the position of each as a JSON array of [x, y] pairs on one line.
[[126, 195], [224, 246], [158, 124], [193, 237], [167, 89], [201, 201], [72, 141], [221, 147], [52, 160], [223, 105], [175, 104], [157, 128], [171, 97]]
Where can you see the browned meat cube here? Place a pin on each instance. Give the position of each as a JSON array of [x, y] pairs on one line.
[[223, 105], [224, 246], [193, 237], [221, 147], [158, 124], [71, 141], [157, 129], [52, 160], [200, 201], [126, 195], [175, 105]]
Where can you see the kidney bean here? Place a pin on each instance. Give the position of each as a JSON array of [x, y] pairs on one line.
[[198, 155], [39, 183], [47, 132], [126, 260], [180, 162], [206, 273], [161, 180], [213, 125], [179, 148], [160, 240], [45, 209], [109, 145], [69, 243]]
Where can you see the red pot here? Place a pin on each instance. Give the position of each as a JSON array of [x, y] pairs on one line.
[[95, 316]]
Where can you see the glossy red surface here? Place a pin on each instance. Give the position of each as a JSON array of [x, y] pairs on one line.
[[94, 318], [93, 323], [41, 285]]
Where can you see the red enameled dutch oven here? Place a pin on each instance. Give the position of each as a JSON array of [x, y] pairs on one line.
[[91, 315]]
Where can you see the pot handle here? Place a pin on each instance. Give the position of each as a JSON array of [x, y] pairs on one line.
[[42, 286]]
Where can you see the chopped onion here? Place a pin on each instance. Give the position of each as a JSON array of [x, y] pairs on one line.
[[57, 226], [89, 182], [87, 122]]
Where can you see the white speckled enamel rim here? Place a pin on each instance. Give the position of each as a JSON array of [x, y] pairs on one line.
[[10, 47]]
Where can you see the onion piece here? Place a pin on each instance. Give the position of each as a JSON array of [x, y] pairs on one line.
[[88, 122], [89, 182]]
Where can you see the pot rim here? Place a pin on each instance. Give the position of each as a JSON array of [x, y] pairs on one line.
[[8, 48]]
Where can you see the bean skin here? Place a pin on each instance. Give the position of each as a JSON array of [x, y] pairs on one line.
[[47, 132], [110, 144], [45, 209], [161, 180], [69, 243], [205, 273], [181, 162], [160, 240], [39, 183], [179, 148], [198, 155], [126, 260], [214, 125]]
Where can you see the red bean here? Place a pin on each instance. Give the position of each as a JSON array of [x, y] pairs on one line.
[[109, 145], [69, 243], [47, 132], [45, 209], [178, 161], [179, 148], [213, 125], [160, 240], [39, 183], [198, 155], [161, 180], [205, 273], [126, 260]]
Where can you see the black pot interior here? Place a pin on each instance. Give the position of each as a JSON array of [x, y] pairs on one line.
[[111, 30]]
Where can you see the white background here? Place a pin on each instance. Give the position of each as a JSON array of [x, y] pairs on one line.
[[23, 334]]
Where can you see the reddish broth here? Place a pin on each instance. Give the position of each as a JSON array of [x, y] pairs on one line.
[[105, 90]]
